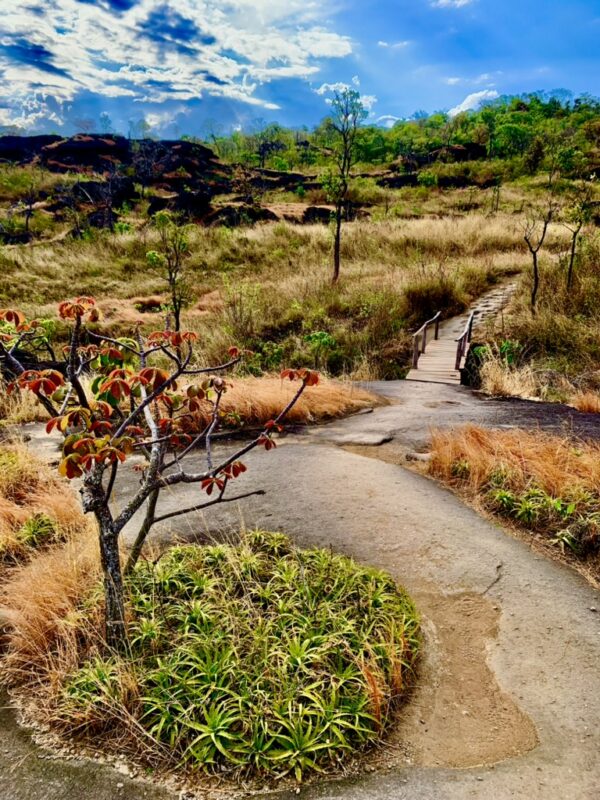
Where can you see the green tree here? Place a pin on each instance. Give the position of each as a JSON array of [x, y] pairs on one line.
[[169, 259], [347, 114]]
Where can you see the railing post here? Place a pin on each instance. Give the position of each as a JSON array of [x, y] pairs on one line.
[[424, 345], [416, 352], [459, 354], [437, 328]]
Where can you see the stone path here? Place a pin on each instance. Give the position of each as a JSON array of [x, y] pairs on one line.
[[437, 363]]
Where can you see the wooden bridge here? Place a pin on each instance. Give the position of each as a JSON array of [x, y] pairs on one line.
[[440, 347]]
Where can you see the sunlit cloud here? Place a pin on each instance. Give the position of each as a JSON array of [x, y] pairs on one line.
[[154, 51], [473, 101]]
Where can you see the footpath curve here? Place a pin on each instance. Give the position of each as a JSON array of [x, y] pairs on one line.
[[508, 697]]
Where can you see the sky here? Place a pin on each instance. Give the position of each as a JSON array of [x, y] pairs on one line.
[[207, 66]]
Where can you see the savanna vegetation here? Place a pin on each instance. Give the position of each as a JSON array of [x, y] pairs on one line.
[[255, 658], [545, 484], [219, 292]]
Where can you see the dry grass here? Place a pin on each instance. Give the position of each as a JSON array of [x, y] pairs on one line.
[[19, 407], [552, 462], [41, 609], [541, 482], [587, 402], [257, 400], [499, 380], [29, 489]]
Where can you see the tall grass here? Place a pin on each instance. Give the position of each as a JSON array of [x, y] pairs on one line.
[[36, 507]]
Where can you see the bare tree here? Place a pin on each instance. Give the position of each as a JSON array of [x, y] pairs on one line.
[[535, 231], [347, 114]]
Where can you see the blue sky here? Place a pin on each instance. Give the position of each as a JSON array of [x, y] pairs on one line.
[[186, 66]]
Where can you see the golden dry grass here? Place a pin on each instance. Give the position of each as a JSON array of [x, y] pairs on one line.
[[554, 463], [499, 380], [40, 609], [257, 400], [587, 402], [28, 487]]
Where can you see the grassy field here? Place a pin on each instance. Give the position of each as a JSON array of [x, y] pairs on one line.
[[268, 288]]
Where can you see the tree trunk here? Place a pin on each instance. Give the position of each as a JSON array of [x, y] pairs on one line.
[[572, 258], [116, 633], [143, 533], [337, 244], [536, 283]]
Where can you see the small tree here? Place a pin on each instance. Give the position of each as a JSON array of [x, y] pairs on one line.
[[578, 214], [535, 231], [347, 114], [133, 406], [169, 259]]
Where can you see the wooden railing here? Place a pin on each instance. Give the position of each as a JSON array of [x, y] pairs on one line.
[[463, 342], [420, 338]]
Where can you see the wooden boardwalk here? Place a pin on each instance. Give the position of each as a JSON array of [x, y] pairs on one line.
[[437, 364]]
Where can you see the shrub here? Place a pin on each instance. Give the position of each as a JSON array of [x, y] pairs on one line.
[[257, 656]]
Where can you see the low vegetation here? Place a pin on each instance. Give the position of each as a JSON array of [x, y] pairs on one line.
[[545, 484], [255, 657], [35, 511]]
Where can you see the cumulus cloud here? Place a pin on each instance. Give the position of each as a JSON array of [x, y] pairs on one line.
[[155, 51], [368, 100], [387, 120], [473, 101]]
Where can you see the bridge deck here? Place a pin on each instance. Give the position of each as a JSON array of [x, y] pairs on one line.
[[436, 364]]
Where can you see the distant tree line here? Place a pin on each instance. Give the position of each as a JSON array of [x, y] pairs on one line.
[[524, 128]]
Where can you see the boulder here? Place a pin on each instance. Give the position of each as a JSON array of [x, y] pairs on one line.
[[317, 214], [23, 149], [233, 216]]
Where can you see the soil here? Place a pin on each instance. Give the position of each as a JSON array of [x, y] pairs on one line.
[[459, 717]]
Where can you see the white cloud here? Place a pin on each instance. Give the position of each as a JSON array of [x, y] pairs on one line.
[[387, 120], [485, 78], [473, 101], [451, 3], [161, 50], [395, 45]]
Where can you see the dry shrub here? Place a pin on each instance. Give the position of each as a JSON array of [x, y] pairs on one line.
[[40, 608], [19, 407], [257, 400], [588, 402], [471, 455], [29, 488], [500, 380]]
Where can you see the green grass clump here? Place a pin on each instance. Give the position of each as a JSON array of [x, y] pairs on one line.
[[258, 657]]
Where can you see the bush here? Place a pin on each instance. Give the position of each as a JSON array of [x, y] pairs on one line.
[[258, 657]]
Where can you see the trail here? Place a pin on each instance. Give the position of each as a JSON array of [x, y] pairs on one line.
[[508, 696]]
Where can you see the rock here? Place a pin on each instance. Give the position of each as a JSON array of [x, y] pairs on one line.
[[317, 214], [23, 149], [418, 457]]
